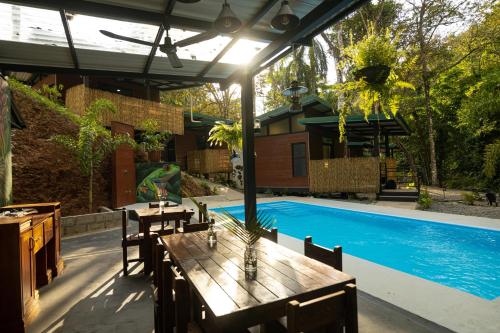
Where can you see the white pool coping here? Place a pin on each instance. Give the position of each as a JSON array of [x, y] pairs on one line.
[[445, 306]]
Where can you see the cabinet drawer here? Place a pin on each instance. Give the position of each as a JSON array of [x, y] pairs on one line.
[[38, 237], [48, 226]]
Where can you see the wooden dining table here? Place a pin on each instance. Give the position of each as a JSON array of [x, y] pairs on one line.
[[216, 276], [146, 216]]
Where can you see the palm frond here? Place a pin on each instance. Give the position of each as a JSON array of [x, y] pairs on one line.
[[250, 232]]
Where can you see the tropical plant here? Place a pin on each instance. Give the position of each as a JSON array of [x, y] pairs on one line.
[[250, 231], [231, 135], [424, 200], [93, 142], [152, 138]]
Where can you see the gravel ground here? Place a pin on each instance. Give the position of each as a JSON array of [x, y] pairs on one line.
[[480, 209]]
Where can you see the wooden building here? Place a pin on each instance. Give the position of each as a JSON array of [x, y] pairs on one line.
[[293, 148]]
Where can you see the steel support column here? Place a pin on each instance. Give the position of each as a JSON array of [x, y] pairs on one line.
[[247, 118]]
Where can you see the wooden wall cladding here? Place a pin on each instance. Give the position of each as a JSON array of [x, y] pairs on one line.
[[354, 175], [130, 110], [273, 162]]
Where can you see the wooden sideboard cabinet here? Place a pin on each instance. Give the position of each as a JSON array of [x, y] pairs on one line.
[[30, 257]]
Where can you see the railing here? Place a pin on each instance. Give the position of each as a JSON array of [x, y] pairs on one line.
[[209, 161], [402, 177]]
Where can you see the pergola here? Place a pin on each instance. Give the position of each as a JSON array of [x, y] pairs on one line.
[[50, 54]]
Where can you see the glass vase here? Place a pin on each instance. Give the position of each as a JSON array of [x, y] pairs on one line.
[[250, 259], [211, 236]]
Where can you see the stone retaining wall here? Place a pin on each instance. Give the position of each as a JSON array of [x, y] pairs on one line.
[[79, 224]]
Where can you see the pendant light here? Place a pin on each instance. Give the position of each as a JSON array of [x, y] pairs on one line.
[[285, 19], [295, 91], [227, 21]]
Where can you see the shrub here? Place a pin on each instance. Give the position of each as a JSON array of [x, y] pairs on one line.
[[469, 198], [268, 191], [424, 200]]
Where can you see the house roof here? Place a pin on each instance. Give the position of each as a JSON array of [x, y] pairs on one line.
[[357, 124], [310, 101], [58, 36]]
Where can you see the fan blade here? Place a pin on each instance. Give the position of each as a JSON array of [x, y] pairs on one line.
[[175, 62], [197, 38], [124, 38]]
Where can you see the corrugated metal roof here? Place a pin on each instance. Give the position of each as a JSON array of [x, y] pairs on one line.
[[317, 103], [36, 37]]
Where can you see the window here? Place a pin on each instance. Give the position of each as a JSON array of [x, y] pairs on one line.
[[299, 163]]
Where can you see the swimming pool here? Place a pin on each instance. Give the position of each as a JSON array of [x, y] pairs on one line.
[[465, 258]]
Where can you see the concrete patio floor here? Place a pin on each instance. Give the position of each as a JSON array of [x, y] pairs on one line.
[[92, 295]]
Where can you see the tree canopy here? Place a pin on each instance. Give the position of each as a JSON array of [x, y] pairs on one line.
[[448, 51]]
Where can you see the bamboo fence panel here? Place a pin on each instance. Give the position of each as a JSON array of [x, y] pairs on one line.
[[353, 175], [130, 110], [209, 161]]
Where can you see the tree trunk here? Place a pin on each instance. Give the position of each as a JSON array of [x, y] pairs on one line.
[[91, 181], [430, 128]]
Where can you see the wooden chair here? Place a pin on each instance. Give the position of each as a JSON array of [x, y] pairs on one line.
[[330, 313], [164, 227], [174, 302], [183, 216], [193, 227], [201, 216], [159, 256], [330, 257], [271, 235], [128, 240]]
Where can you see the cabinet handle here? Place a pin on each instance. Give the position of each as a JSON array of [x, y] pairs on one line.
[[32, 243]]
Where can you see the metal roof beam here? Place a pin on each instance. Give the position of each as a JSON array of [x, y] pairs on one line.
[[69, 38], [324, 15], [168, 10], [135, 15], [253, 21], [96, 72]]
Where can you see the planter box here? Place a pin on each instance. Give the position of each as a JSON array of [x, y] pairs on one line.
[[79, 224]]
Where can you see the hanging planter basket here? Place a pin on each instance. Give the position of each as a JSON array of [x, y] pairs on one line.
[[373, 74]]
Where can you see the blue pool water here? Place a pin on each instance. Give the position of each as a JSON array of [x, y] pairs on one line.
[[464, 258]]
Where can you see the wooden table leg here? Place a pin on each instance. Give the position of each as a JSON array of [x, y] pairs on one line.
[[147, 249]]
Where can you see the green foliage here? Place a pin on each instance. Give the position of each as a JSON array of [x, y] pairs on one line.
[[152, 138], [207, 99], [308, 65], [43, 100], [468, 197], [373, 50], [93, 142], [424, 200], [231, 135], [249, 232], [369, 98], [53, 92], [492, 159]]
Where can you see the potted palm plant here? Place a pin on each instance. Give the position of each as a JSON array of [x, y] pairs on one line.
[[249, 233], [153, 141]]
